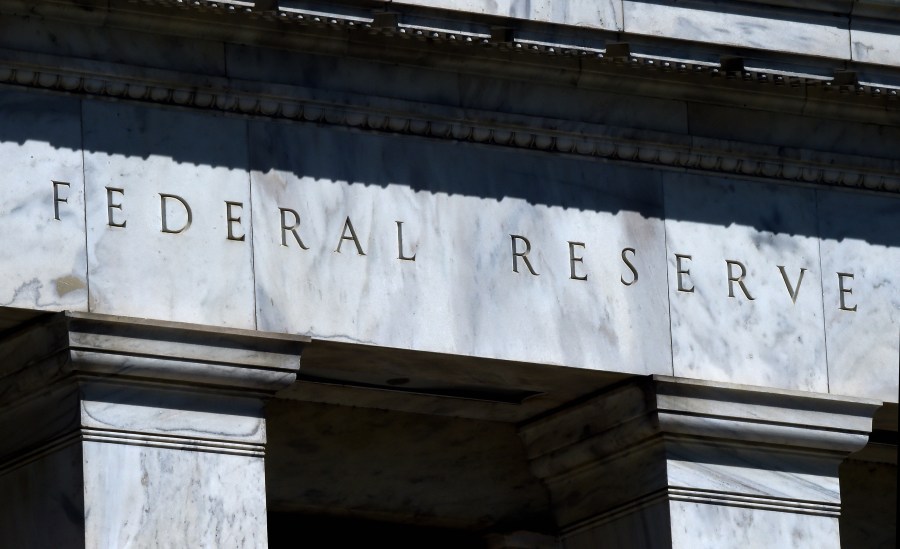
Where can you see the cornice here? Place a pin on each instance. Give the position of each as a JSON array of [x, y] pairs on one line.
[[291, 103], [682, 437]]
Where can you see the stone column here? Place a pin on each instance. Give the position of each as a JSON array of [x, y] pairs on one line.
[[120, 432], [666, 462]]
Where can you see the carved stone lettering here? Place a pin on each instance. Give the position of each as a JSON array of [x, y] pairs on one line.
[[516, 254], [231, 220], [792, 291], [110, 206], [57, 198], [573, 259], [739, 279], [400, 253], [163, 203], [631, 267], [348, 227], [680, 272], [842, 291], [292, 228]]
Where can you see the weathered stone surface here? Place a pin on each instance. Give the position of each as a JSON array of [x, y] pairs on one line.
[[42, 247], [462, 209], [860, 250], [762, 327], [187, 270]]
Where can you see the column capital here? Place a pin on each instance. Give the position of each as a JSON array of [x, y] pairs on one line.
[[81, 376], [664, 438], [70, 345]]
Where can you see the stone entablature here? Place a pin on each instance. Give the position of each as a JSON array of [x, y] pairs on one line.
[[634, 213], [475, 250]]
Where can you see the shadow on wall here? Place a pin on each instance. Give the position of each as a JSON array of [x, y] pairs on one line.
[[444, 166]]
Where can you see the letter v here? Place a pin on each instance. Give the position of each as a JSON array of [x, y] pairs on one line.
[[791, 290]]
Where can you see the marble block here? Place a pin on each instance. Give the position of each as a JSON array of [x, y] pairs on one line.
[[739, 528], [859, 237], [762, 28], [42, 247], [599, 14], [459, 206], [143, 163], [718, 332], [137, 496], [873, 41]]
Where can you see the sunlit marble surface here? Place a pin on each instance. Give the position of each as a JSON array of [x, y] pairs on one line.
[[225, 506], [875, 41], [44, 263], [718, 332], [742, 25], [860, 237], [601, 14], [196, 275], [738, 528], [459, 205]]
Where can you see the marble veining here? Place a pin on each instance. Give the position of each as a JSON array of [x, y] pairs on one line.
[[741, 25], [219, 502], [719, 333], [739, 528], [859, 237], [874, 41], [601, 14], [42, 247], [192, 273], [460, 206]]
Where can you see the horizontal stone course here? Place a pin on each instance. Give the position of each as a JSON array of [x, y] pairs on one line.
[[474, 250]]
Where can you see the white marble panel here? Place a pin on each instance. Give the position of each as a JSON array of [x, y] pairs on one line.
[[771, 340], [459, 204], [137, 496], [600, 14], [873, 41], [702, 526], [764, 28], [859, 237], [197, 275], [42, 247]]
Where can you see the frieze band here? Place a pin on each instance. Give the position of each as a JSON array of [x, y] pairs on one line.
[[521, 246]]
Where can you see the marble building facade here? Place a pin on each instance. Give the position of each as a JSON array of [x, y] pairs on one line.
[[449, 273]]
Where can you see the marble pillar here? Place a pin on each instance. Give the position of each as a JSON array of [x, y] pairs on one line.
[[119, 432], [671, 462]]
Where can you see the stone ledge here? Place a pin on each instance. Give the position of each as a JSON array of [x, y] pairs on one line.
[[138, 350], [696, 442]]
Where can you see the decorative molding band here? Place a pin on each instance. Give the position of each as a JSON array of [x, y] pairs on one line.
[[113, 436], [766, 503], [654, 148], [711, 497], [173, 442]]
